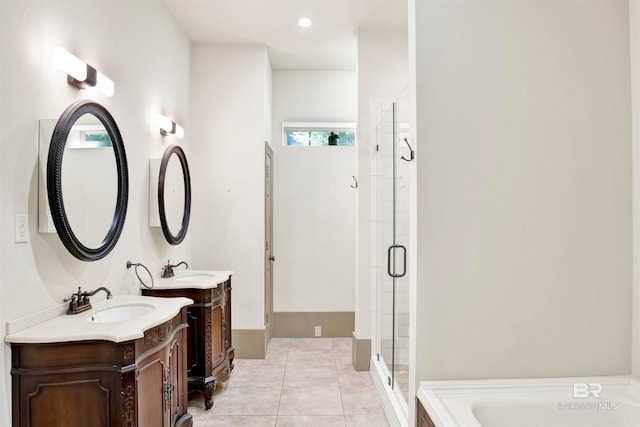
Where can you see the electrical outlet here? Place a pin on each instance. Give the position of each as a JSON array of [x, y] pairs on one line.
[[21, 234], [318, 331]]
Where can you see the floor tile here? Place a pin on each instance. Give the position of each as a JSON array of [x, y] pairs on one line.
[[256, 400], [311, 421], [308, 382], [342, 352], [311, 357], [240, 421], [378, 420], [280, 341], [311, 344], [343, 358], [346, 367], [268, 361], [311, 376], [355, 381], [341, 344], [197, 410], [310, 401], [361, 403], [276, 359], [200, 416], [259, 375], [277, 347]]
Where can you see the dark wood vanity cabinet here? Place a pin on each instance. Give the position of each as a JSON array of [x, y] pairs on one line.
[[422, 417], [209, 353], [139, 383]]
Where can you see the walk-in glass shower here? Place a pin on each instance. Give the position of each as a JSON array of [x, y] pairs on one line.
[[392, 161]]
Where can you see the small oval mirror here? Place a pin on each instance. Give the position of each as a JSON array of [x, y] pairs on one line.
[[87, 180], [174, 194]]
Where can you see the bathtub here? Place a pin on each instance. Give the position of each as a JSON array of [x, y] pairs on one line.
[[553, 402]]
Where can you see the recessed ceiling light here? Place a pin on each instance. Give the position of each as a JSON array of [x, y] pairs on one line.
[[305, 22]]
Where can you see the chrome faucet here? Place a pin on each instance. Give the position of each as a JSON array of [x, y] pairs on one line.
[[167, 270], [79, 301]]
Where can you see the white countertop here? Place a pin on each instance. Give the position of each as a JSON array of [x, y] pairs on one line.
[[78, 327], [192, 279]]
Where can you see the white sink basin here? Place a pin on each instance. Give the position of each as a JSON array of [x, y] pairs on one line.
[[121, 313], [196, 277]]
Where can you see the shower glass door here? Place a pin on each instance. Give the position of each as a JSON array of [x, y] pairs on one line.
[[393, 160], [385, 213]]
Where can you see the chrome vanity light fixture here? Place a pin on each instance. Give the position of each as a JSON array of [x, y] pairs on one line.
[[169, 127], [80, 74]]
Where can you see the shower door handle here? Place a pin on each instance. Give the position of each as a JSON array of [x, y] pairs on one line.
[[392, 248]]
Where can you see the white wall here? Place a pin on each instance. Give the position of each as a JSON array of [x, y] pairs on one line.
[[524, 189], [230, 117], [314, 205], [634, 30], [382, 74], [139, 46]]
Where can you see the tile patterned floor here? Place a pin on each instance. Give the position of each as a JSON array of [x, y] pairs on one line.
[[307, 382]]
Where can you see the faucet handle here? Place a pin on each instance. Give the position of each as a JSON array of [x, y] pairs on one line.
[[74, 296], [167, 270], [78, 302]]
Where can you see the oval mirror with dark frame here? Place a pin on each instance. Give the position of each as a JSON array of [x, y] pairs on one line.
[[86, 158], [174, 200]]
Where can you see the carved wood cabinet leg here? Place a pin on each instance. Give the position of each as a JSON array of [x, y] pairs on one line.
[[209, 388], [231, 355]]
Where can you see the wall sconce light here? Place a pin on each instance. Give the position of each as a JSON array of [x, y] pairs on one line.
[[169, 127], [80, 74]]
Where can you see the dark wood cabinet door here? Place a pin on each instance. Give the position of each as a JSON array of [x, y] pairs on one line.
[[150, 390], [217, 336], [55, 404], [65, 384], [227, 316], [193, 362], [178, 383]]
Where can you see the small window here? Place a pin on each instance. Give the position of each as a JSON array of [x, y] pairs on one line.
[[319, 134]]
